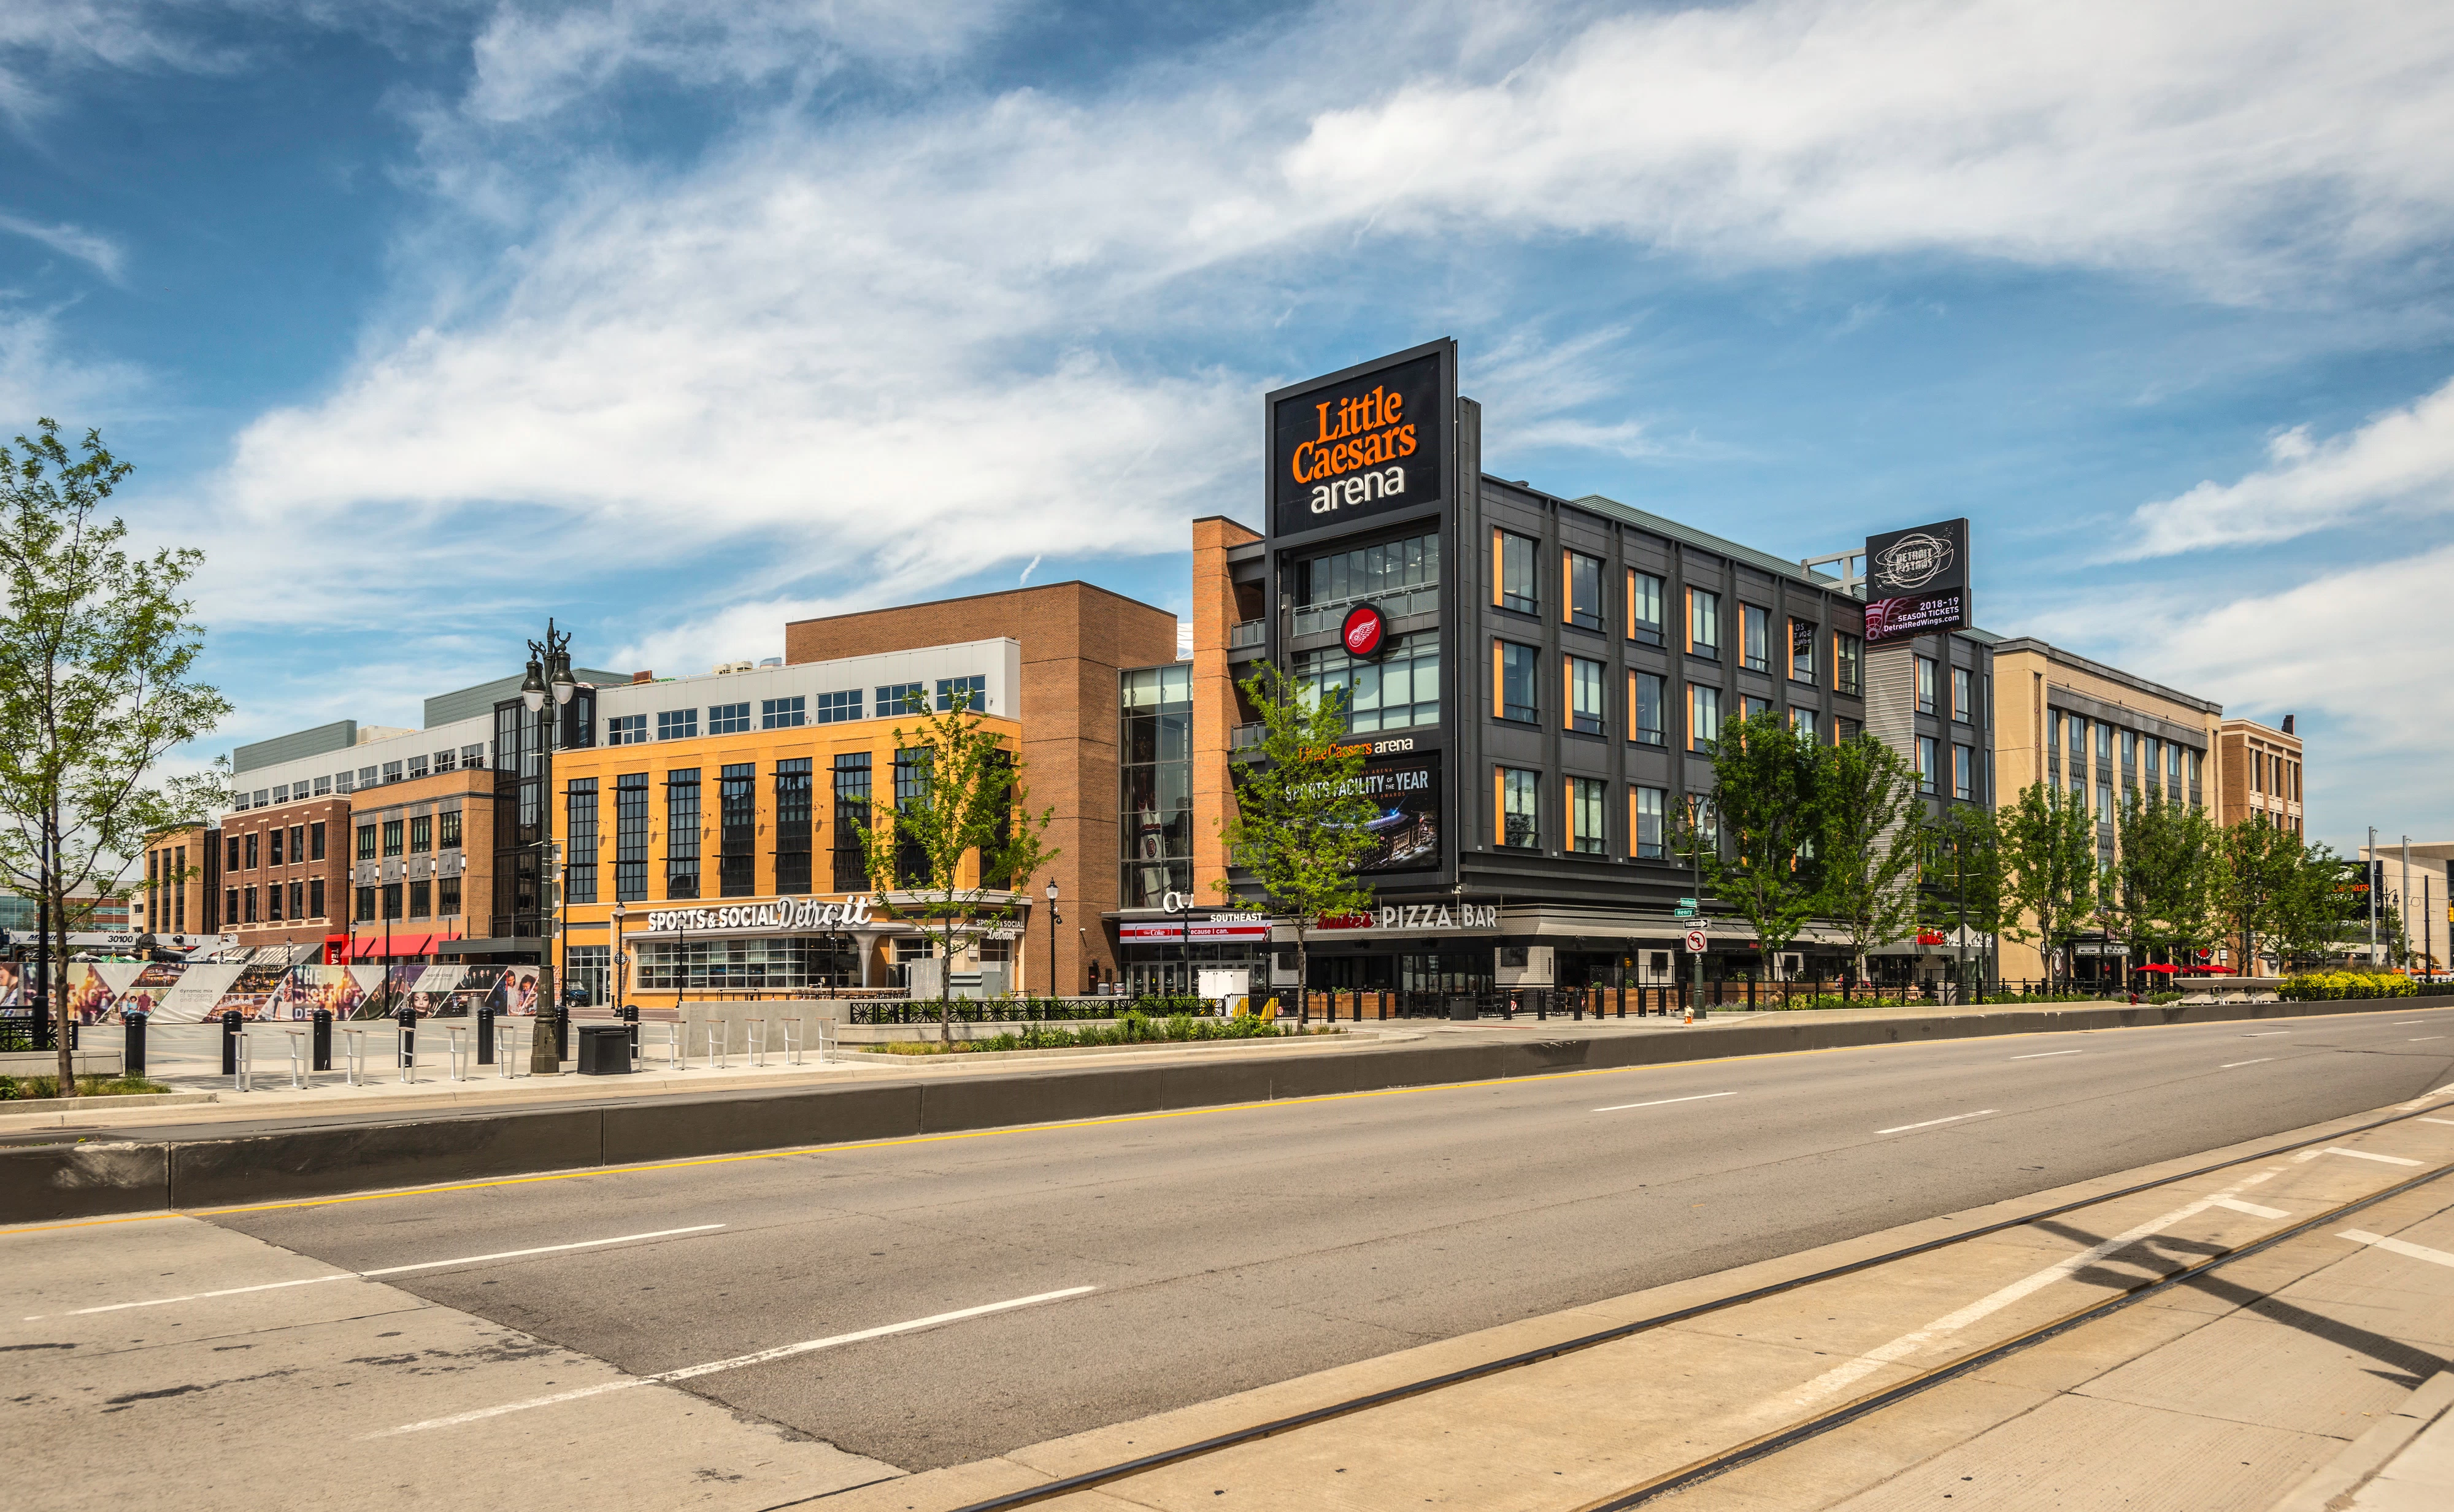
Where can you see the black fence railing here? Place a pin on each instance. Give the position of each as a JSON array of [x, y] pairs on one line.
[[1022, 1010], [24, 1029]]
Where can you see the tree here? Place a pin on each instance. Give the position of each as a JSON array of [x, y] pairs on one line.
[[1963, 873], [2258, 864], [95, 653], [959, 796], [2165, 886], [2049, 870], [1767, 802], [1867, 843], [2313, 913], [1301, 819]]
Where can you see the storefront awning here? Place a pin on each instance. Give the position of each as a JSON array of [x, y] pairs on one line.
[[481, 946], [395, 947]]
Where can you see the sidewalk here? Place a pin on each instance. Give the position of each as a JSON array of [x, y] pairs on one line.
[[2404, 1464]]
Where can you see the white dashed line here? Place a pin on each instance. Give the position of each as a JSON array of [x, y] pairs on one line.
[[2421, 1038], [2045, 1054], [1931, 1122], [2260, 1061], [1701, 1097], [2396, 1246]]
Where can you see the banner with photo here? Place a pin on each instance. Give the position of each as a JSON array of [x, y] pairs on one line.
[[177, 992]]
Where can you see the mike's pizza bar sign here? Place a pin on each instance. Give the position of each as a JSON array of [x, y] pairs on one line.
[[1917, 581], [1371, 440]]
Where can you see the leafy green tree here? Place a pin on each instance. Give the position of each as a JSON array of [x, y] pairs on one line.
[[2260, 867], [970, 805], [2165, 883], [2049, 870], [1868, 844], [95, 656], [1301, 819], [2314, 915], [1767, 803], [1963, 874]]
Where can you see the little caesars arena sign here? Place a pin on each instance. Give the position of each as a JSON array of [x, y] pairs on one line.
[[784, 914], [1364, 442]]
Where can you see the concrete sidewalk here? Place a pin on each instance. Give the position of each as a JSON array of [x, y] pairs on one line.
[[2404, 1464]]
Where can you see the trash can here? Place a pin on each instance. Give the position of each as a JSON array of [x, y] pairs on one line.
[[1464, 1009], [604, 1050]]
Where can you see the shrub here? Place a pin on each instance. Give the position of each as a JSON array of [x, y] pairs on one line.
[[2326, 985], [31, 1087]]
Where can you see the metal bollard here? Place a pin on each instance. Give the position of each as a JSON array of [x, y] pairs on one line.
[[629, 1014], [229, 1042], [408, 1018], [131, 1055], [323, 1061], [485, 1033]]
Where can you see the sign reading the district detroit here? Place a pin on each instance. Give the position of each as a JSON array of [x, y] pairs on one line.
[[1368, 443], [1917, 581]]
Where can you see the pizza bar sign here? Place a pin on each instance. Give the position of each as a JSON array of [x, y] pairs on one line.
[[789, 913], [1421, 917]]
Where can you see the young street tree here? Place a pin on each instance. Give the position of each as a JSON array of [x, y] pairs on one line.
[[1767, 802], [2315, 915], [2258, 864], [96, 652], [2049, 870], [1963, 874], [958, 797], [1303, 820], [1867, 844], [2165, 886]]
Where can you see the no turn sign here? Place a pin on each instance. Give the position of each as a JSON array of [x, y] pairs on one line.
[[1695, 942]]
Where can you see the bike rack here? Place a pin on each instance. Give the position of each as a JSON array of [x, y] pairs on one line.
[[455, 1054], [243, 1059], [354, 1056]]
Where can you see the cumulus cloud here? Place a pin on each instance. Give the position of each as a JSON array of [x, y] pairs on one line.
[[2400, 462]]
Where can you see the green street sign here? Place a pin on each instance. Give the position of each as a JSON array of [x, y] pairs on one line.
[[1686, 903], [1683, 912]]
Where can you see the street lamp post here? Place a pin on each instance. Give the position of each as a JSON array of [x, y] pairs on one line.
[[548, 676], [621, 965], [1052, 937]]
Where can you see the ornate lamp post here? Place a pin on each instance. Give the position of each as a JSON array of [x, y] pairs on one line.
[[1052, 937], [548, 675]]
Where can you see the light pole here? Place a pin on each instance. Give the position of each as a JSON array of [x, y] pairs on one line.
[[1052, 937], [1696, 862], [2371, 868], [548, 676], [620, 964]]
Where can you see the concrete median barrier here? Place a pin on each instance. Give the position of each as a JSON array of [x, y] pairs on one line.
[[55, 1183], [353, 1158], [672, 1129]]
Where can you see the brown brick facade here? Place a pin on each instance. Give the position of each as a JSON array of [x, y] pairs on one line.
[[288, 881], [1216, 609], [468, 794]]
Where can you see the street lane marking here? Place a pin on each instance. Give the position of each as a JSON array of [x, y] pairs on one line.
[[2267, 1034], [737, 1361], [1931, 1122], [2260, 1061], [2422, 1101], [2044, 1055], [1701, 1097], [2421, 1038], [2449, 1122], [2251, 1208], [2361, 1236], [2357, 1155], [1840, 1376], [388, 1270]]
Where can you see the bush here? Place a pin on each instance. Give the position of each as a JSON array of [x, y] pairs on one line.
[[31, 1087], [1134, 1028], [2326, 985]]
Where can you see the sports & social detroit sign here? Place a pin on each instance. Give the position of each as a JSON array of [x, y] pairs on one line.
[[1366, 443], [1917, 581]]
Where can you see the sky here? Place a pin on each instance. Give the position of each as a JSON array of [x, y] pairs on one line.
[[675, 321]]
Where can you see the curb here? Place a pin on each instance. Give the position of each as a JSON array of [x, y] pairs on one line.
[[47, 1183], [110, 1102], [2364, 1457]]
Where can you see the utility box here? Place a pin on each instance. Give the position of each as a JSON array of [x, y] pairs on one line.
[[1225, 985], [604, 1050]]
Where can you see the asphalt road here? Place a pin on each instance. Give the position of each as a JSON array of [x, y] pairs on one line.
[[1233, 1247]]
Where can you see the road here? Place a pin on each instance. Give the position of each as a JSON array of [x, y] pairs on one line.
[[1228, 1248]]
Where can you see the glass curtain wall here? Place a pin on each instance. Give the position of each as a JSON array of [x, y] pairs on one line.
[[1155, 783]]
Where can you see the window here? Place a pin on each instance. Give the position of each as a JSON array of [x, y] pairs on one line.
[[910, 790], [901, 698], [365, 842], [254, 839], [1644, 607], [1582, 590], [793, 826], [1801, 651], [324, 787], [297, 843], [1753, 708], [1389, 570], [1585, 697], [472, 757], [391, 774], [1399, 691], [247, 895], [1513, 673], [1964, 696], [627, 729], [365, 905], [1644, 810], [1703, 624], [231, 865], [1925, 763], [421, 834], [1645, 692], [579, 841], [2130, 752], [448, 826], [736, 799], [366, 777], [2103, 744], [344, 781], [838, 708], [1155, 833], [852, 780], [1512, 571], [444, 761], [1804, 722], [1704, 717], [273, 846], [391, 899], [1587, 831], [1848, 662], [630, 836], [272, 903], [421, 900], [315, 898], [728, 718], [447, 897], [1964, 771], [1755, 631], [966, 693], [416, 767], [2150, 760], [1706, 817], [681, 833], [1926, 685], [784, 714], [315, 842], [392, 836], [677, 725], [1521, 809]]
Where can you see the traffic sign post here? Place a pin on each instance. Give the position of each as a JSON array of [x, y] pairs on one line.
[[1695, 942], [1696, 993]]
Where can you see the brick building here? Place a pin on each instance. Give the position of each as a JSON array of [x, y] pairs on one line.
[[2261, 769]]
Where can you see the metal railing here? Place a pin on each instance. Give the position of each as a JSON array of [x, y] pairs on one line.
[[1246, 736], [1024, 1010], [1249, 632], [1313, 618]]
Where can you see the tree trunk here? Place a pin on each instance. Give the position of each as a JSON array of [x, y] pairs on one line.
[[946, 986], [1303, 976], [58, 980]]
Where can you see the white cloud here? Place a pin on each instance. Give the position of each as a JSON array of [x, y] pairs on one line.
[[2400, 462], [37, 379], [71, 241]]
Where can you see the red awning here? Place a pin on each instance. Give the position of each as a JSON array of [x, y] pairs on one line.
[[398, 947]]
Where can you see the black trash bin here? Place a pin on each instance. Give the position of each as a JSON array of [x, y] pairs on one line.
[[604, 1050], [1464, 1008]]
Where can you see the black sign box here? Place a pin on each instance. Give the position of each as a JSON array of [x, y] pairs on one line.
[[1917, 581], [1371, 441], [1407, 790]]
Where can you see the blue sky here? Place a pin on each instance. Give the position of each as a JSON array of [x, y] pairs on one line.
[[675, 321]]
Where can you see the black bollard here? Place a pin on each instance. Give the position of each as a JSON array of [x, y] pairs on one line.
[[486, 1034], [407, 1017], [229, 1042], [320, 1040], [131, 1057]]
